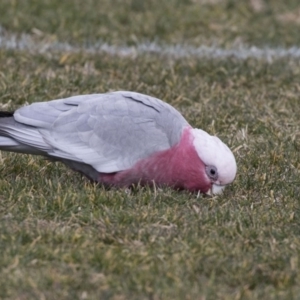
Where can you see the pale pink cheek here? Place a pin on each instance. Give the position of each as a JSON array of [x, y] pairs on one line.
[[198, 181]]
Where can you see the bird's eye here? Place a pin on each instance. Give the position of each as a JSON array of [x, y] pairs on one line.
[[212, 172]]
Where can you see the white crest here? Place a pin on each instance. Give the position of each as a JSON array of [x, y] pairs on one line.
[[213, 152]]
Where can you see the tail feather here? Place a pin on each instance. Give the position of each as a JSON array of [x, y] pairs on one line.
[[16, 137], [6, 114], [11, 145]]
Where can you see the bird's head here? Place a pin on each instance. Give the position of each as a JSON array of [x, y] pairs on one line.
[[219, 161]]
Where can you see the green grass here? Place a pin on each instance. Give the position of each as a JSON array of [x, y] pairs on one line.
[[176, 21], [64, 238]]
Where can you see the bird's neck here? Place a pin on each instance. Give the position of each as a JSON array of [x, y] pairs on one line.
[[179, 166]]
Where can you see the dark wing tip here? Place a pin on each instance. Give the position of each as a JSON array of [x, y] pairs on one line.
[[6, 114]]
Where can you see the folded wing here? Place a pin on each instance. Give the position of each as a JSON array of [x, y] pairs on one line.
[[109, 132]]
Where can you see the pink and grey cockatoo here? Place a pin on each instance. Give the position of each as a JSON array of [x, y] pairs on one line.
[[121, 139]]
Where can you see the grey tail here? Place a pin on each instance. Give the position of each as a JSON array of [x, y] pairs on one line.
[[6, 114]]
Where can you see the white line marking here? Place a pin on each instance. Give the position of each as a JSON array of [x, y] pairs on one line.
[[29, 43]]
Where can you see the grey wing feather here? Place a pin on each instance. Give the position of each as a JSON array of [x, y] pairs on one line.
[[110, 132], [21, 137]]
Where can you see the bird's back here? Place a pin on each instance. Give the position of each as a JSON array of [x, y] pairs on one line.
[[109, 132]]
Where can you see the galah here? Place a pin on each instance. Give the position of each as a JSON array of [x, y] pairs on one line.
[[121, 139]]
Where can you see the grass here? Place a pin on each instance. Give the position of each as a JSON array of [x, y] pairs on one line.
[[223, 22], [62, 237]]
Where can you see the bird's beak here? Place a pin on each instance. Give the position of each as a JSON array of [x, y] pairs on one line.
[[215, 189]]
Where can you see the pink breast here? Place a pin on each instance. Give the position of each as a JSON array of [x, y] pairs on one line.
[[179, 167]]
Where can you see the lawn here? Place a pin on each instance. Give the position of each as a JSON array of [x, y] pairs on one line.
[[62, 237]]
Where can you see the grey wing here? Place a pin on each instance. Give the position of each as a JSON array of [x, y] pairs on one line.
[[110, 132]]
